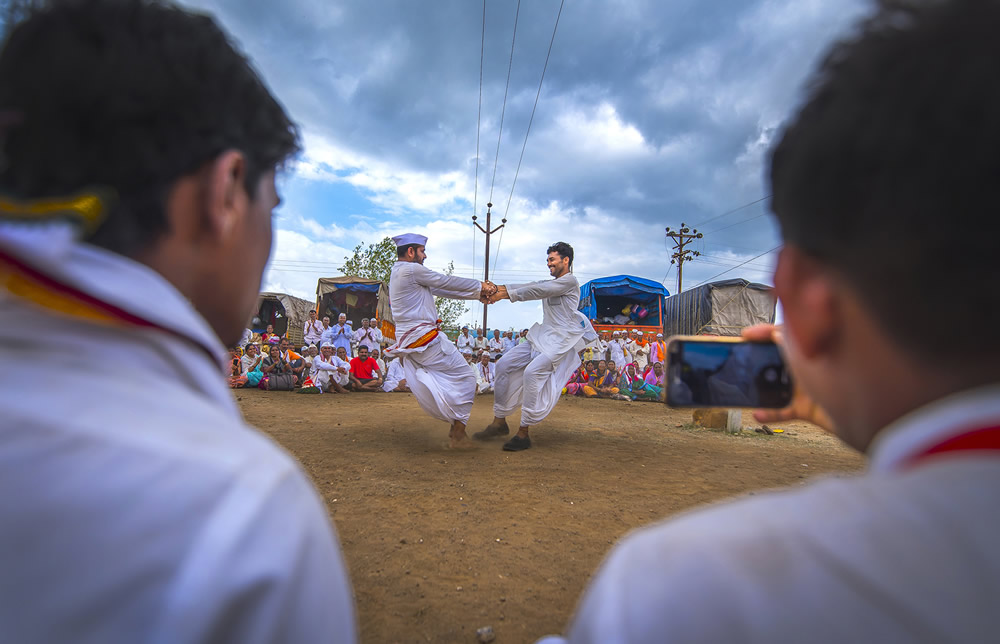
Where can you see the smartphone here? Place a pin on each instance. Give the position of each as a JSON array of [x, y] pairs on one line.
[[725, 372]]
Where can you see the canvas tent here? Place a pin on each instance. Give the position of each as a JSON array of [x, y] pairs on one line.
[[719, 308], [356, 297], [286, 313], [603, 301]]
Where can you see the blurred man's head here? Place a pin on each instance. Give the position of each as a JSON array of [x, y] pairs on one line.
[[485, 358], [342, 318], [364, 323], [342, 353], [363, 352], [150, 107], [895, 143], [327, 351]]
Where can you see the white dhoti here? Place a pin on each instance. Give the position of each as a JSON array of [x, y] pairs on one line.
[[529, 378], [440, 378], [322, 379]]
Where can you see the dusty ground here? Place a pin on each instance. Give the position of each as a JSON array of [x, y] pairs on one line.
[[441, 543]]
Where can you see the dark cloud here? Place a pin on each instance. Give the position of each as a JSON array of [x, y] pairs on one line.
[[701, 86]]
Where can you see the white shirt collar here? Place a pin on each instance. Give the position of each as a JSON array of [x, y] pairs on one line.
[[934, 423], [111, 278]]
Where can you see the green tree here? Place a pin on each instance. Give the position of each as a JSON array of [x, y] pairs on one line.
[[450, 311], [374, 262]]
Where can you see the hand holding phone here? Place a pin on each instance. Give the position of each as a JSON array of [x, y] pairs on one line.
[[726, 372], [802, 406]]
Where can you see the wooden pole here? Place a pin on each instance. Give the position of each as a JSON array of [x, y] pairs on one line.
[[486, 264]]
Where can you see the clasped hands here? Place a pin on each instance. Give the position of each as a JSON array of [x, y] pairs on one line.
[[491, 293]]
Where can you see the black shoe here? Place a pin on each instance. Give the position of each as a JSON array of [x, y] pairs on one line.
[[517, 444], [491, 431]]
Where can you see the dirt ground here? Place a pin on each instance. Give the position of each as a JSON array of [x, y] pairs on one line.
[[440, 543]]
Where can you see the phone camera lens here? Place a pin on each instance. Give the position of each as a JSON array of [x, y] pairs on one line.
[[771, 375]]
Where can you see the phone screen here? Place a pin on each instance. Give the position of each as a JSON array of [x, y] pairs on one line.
[[726, 374]]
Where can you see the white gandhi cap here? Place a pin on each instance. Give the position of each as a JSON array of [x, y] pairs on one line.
[[409, 238]]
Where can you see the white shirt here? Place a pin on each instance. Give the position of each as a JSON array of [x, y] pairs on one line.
[[616, 352], [393, 376], [370, 337], [485, 373], [899, 554], [412, 288], [495, 346], [312, 331], [146, 509], [465, 343], [562, 327]]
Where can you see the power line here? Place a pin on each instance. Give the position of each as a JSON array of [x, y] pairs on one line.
[[503, 110], [530, 121], [479, 120], [738, 223], [738, 265], [729, 212]]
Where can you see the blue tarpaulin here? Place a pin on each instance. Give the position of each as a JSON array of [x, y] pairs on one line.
[[635, 289]]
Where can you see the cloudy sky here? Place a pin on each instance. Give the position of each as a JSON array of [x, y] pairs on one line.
[[651, 113]]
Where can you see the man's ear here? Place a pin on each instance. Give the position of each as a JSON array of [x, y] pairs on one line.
[[809, 296], [226, 196]]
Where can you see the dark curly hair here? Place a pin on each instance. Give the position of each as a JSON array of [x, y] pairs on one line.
[[129, 96], [898, 140], [565, 251]]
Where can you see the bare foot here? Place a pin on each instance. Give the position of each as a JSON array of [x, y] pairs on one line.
[[461, 442]]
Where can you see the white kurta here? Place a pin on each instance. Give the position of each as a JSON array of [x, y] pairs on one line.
[[312, 331], [898, 554], [465, 344], [370, 337], [436, 373], [146, 510], [326, 370], [639, 354], [616, 352], [486, 376], [394, 375], [533, 374]]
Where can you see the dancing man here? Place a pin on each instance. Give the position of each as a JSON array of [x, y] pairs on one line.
[[533, 373], [436, 372]]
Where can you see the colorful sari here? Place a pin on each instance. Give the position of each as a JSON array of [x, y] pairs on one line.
[[576, 382], [633, 386], [599, 381]]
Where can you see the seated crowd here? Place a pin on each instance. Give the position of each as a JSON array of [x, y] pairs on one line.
[[336, 359]]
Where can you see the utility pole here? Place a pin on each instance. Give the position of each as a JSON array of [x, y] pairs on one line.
[[486, 264], [682, 238]]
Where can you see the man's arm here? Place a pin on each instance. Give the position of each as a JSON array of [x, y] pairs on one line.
[[450, 286], [539, 290]]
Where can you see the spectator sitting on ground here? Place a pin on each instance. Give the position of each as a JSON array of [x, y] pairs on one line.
[[293, 359], [508, 341], [277, 372], [377, 358], [395, 378], [655, 375], [268, 337], [603, 384], [237, 378], [250, 363], [329, 373], [365, 374], [523, 337], [485, 375]]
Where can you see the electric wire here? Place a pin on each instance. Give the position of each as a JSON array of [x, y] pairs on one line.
[[737, 266], [531, 119], [503, 110]]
